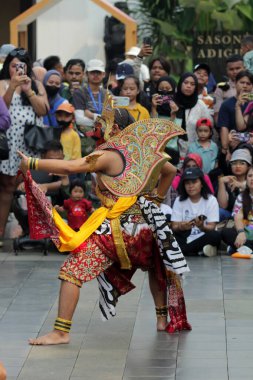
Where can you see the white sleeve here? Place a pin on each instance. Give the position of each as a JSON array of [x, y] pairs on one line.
[[212, 210], [81, 119], [177, 211]]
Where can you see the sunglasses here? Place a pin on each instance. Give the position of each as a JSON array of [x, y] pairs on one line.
[[20, 52]]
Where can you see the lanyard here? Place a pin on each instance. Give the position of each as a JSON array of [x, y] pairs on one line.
[[97, 106]]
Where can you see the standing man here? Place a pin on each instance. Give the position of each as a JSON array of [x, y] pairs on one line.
[[88, 103], [74, 77], [234, 64]]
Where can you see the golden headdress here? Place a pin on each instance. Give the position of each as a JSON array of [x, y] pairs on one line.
[[107, 117]]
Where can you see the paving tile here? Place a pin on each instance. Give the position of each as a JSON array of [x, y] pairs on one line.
[[201, 373], [218, 297]]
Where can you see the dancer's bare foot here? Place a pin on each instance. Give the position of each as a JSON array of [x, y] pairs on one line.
[[54, 337], [161, 323]]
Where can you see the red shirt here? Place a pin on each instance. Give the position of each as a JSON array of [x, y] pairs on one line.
[[77, 212]]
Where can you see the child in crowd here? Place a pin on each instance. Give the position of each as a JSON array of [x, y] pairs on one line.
[[195, 215], [240, 237], [69, 137], [131, 89], [204, 146], [247, 52], [231, 185], [77, 206]]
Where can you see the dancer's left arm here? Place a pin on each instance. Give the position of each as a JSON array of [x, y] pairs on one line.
[[168, 172]]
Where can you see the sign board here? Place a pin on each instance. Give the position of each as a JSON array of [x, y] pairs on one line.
[[214, 48]]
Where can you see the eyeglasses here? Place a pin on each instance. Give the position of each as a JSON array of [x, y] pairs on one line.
[[240, 163], [16, 52]]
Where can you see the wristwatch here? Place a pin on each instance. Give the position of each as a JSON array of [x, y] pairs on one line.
[[240, 230]]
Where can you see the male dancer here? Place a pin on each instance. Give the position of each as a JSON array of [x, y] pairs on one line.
[[119, 237]]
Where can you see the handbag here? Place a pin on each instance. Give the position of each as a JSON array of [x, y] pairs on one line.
[[37, 137], [4, 148]]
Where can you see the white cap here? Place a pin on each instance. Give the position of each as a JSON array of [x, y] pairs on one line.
[[134, 50], [96, 65]]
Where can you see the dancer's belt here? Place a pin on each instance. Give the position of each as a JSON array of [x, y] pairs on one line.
[[71, 239]]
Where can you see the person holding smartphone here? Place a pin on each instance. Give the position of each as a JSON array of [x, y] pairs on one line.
[[27, 101], [195, 215], [163, 106]]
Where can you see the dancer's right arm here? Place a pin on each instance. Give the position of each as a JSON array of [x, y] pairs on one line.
[[99, 161]]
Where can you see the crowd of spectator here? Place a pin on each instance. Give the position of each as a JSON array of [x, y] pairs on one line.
[[213, 157]]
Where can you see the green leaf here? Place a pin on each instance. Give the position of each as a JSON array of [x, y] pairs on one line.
[[246, 10]]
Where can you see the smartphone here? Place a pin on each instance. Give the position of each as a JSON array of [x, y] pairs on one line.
[[147, 41], [20, 68], [121, 101], [202, 218], [250, 96], [166, 98], [243, 136]]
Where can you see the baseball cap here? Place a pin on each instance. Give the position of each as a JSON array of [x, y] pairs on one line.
[[6, 49], [192, 173], [204, 121], [66, 107], [134, 50], [203, 66], [123, 70], [96, 65], [241, 155]]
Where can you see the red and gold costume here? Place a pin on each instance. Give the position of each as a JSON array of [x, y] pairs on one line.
[[128, 232]]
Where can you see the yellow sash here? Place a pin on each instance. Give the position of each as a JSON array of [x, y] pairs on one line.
[[71, 239]]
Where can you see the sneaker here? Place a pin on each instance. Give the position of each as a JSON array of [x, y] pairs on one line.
[[244, 250], [209, 250]]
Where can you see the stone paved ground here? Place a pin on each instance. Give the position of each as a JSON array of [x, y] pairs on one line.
[[219, 296]]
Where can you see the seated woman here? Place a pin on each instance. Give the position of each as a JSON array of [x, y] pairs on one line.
[[195, 214], [192, 160], [231, 185], [241, 235]]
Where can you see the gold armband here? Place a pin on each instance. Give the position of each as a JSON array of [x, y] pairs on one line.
[[92, 160]]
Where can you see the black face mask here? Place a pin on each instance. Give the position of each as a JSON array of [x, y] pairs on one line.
[[52, 90], [164, 92], [63, 123]]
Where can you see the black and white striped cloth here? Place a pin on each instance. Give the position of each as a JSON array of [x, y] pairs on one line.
[[169, 249]]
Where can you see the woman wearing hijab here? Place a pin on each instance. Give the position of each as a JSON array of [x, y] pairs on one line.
[[163, 106], [190, 109], [162, 100], [52, 82]]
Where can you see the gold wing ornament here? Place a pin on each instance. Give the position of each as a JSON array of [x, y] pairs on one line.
[[141, 146], [107, 117]]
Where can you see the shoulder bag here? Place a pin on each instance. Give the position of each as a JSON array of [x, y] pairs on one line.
[[37, 137]]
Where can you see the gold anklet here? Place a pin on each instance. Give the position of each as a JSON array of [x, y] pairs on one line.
[[62, 325]]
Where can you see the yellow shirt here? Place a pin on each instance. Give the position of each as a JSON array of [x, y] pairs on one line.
[[71, 144], [139, 112]]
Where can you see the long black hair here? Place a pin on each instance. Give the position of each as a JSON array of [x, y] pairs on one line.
[[23, 56], [246, 200], [205, 191]]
